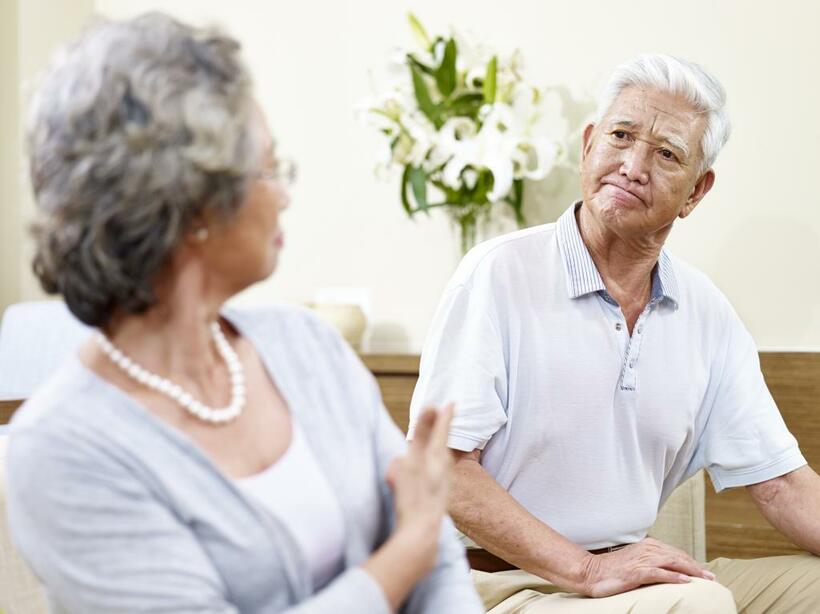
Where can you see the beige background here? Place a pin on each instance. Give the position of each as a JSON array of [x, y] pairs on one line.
[[755, 235]]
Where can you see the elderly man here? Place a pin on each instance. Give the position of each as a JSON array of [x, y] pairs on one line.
[[593, 373]]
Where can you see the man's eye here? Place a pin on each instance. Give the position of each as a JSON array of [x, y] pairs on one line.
[[619, 134], [668, 154]]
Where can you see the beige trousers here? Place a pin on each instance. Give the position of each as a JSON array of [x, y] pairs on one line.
[[778, 584]]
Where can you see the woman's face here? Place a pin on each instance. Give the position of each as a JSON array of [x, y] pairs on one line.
[[246, 249]]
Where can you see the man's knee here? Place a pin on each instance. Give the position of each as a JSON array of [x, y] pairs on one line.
[[704, 596]]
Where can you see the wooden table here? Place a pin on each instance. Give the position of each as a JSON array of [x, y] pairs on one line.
[[7, 408]]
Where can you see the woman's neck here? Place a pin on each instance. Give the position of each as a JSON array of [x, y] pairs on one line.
[[173, 336]]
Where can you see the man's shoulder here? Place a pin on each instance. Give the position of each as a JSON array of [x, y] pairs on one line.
[[696, 288], [526, 247]]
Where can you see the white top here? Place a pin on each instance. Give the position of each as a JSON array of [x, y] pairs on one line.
[[587, 428], [296, 491]]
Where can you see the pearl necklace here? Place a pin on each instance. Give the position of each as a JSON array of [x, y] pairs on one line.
[[175, 392]]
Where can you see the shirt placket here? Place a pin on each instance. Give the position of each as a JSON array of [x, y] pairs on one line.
[[629, 378]]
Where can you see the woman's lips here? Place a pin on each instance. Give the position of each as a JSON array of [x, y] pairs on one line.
[[279, 241]]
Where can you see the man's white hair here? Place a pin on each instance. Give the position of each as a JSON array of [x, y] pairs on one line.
[[681, 77]]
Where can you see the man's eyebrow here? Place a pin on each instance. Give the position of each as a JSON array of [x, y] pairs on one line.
[[674, 141], [626, 123]]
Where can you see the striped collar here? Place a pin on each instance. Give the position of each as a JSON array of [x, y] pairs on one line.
[[582, 275]]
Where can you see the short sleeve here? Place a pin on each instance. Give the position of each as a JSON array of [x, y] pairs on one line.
[[745, 440], [463, 362]]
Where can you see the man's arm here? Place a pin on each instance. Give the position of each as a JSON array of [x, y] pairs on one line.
[[492, 518], [791, 503]]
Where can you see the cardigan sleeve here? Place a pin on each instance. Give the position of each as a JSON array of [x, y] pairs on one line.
[[97, 538], [448, 588]]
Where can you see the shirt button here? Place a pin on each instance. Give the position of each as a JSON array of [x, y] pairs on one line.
[[631, 364], [617, 326], [640, 329]]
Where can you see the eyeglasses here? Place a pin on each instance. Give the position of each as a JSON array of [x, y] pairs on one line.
[[284, 172]]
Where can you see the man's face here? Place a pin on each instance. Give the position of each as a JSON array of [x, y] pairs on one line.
[[640, 164]]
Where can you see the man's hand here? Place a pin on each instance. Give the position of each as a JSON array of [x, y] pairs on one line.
[[646, 562]]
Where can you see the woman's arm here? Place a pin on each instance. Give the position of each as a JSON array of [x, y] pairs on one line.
[[102, 543], [446, 588], [98, 540]]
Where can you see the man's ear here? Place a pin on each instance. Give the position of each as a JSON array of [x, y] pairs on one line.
[[701, 189], [587, 143]]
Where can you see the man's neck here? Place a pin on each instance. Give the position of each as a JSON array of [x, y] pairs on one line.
[[625, 266]]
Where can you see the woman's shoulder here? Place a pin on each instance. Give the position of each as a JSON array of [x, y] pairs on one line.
[[63, 400], [289, 327], [301, 345], [275, 316], [65, 426]]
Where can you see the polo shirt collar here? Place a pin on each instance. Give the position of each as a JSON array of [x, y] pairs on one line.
[[582, 275]]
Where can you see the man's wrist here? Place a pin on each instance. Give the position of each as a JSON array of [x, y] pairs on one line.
[[574, 572]]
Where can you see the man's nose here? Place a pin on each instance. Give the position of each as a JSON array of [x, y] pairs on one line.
[[635, 163]]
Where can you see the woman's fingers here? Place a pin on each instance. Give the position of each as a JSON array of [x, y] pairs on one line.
[[424, 428], [441, 428], [393, 474]]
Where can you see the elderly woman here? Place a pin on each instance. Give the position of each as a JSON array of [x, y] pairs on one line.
[[195, 458]]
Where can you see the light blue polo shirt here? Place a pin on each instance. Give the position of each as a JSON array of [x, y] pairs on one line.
[[588, 428]]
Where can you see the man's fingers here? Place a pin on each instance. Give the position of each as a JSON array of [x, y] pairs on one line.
[[682, 565], [656, 575], [675, 559]]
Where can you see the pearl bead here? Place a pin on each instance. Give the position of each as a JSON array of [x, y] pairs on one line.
[[175, 392]]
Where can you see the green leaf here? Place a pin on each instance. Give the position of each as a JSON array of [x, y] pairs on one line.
[[414, 61], [423, 97], [405, 179], [489, 80], [466, 105], [516, 201], [418, 181], [446, 72], [483, 185], [419, 32]]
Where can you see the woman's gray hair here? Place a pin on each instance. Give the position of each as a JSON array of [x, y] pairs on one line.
[[139, 130], [676, 76]]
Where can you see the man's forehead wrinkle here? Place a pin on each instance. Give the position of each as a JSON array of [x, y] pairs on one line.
[[661, 110]]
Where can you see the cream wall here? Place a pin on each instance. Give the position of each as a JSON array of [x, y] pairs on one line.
[[30, 31], [9, 159], [756, 234]]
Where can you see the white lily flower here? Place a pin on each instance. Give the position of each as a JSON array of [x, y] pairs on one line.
[[451, 174], [495, 146], [438, 52], [470, 177], [422, 134], [534, 159], [518, 136], [455, 145]]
